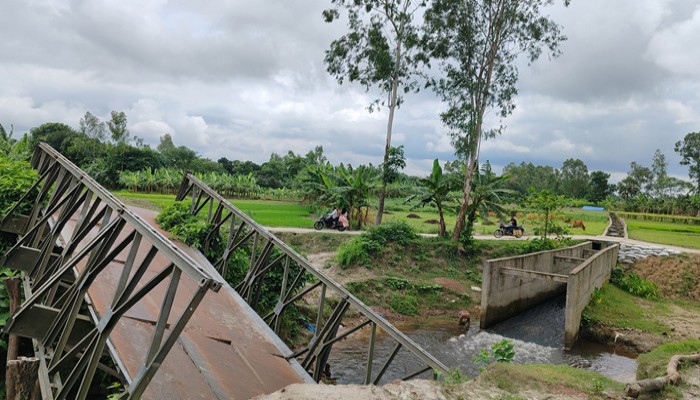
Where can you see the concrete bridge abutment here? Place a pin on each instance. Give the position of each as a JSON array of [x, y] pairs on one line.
[[514, 284]]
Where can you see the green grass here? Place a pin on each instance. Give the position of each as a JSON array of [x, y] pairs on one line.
[[619, 309], [553, 379], [153, 201], [674, 234], [407, 297], [291, 214], [653, 364], [264, 212]]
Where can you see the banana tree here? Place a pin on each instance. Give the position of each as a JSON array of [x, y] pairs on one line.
[[351, 187], [487, 194], [436, 189]]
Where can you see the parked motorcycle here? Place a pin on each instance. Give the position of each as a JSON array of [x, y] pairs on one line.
[[508, 230], [326, 221]]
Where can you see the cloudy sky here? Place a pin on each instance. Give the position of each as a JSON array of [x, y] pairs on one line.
[[242, 79]]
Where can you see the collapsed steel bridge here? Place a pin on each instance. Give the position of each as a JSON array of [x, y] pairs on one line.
[[242, 231], [100, 280]]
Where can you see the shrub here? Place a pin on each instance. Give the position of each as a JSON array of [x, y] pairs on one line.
[[633, 284], [360, 249], [404, 304], [175, 215], [16, 177], [639, 286], [357, 251], [501, 352], [193, 232], [539, 244], [392, 232]]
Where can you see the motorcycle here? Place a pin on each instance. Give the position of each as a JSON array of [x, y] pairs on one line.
[[326, 221], [509, 230]]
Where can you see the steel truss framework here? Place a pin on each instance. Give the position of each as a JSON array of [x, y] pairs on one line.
[[243, 232], [70, 335]]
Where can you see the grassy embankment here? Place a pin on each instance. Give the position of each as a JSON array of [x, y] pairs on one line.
[[664, 325], [551, 379]]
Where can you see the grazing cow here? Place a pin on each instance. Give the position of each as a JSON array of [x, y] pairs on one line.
[[464, 319], [577, 223]]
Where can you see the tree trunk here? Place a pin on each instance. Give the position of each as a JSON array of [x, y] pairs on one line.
[[12, 286], [393, 103], [461, 215], [443, 228], [24, 373], [387, 148], [672, 376]]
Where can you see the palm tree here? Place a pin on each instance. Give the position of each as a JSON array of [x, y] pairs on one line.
[[435, 189]]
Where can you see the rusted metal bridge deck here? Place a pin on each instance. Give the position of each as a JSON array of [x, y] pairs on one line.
[[225, 351]]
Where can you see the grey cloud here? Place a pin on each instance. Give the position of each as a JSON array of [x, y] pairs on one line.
[[242, 79]]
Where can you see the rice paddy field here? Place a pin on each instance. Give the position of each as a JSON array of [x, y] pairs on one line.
[[293, 214]]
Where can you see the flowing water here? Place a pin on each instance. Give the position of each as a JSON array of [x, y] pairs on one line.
[[537, 336]]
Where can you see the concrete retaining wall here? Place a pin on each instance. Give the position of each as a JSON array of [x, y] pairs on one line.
[[582, 282], [503, 296]]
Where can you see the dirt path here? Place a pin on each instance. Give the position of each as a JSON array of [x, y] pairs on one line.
[[411, 390]]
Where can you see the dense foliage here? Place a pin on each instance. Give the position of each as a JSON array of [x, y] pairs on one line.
[[16, 178], [359, 250], [178, 220], [634, 284]]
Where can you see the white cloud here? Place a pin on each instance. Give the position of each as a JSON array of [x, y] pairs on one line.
[[242, 79], [675, 47]]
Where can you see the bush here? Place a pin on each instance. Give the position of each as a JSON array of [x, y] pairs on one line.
[[175, 215], [539, 244], [357, 251], [360, 249], [193, 232], [392, 232], [639, 286], [16, 177], [404, 304]]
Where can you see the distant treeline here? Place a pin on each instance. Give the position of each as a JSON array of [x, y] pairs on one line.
[[109, 154]]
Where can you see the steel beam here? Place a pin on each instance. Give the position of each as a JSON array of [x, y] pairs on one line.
[[74, 233], [244, 232]]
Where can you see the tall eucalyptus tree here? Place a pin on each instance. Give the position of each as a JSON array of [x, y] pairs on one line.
[[380, 51], [479, 42]]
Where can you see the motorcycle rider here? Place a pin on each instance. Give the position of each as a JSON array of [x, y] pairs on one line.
[[334, 216], [513, 224]]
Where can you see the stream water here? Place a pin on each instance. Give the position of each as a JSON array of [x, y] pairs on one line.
[[537, 336]]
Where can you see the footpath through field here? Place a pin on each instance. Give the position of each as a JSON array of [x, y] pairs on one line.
[[489, 237]]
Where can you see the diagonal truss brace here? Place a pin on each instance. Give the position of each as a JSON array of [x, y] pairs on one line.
[[61, 266], [243, 232]]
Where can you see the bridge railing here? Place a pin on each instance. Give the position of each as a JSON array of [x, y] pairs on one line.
[[70, 330], [334, 305]]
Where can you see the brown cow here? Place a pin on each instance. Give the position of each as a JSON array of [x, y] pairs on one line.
[[577, 223]]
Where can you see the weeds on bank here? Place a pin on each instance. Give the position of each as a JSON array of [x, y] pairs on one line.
[[553, 379], [634, 284], [500, 352], [613, 306], [361, 249], [402, 296]]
